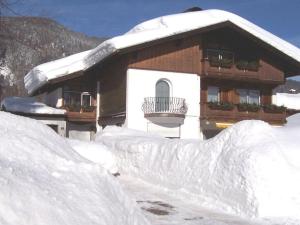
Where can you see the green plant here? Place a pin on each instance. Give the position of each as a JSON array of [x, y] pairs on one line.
[[243, 107], [88, 108], [221, 106], [73, 108], [271, 108], [247, 65], [242, 64], [215, 61]]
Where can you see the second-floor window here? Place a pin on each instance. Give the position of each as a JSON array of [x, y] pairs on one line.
[[76, 101], [213, 94], [249, 96]]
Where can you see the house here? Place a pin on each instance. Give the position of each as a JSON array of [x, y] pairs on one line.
[[187, 75]]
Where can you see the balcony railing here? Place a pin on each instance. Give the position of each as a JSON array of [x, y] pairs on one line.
[[171, 105], [236, 113]]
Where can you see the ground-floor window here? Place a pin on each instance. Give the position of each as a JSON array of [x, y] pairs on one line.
[[249, 96]]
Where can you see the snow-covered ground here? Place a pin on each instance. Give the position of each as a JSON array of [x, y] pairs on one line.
[[291, 101], [247, 175], [250, 169], [44, 181]]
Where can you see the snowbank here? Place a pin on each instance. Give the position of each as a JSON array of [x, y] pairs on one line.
[[148, 31], [43, 181], [28, 105], [250, 169], [291, 101], [95, 152]]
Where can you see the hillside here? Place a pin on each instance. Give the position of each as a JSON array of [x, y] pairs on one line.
[[288, 87], [28, 41]]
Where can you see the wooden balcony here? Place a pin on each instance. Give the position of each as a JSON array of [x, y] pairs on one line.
[[81, 114], [234, 115], [265, 73]]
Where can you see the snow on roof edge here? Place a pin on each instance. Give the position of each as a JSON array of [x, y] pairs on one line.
[[148, 31]]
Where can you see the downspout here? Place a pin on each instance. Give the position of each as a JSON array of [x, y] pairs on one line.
[[98, 128]]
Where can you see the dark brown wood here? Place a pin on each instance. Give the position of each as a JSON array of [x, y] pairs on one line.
[[228, 89], [265, 74], [181, 55], [233, 116], [112, 79], [81, 116]]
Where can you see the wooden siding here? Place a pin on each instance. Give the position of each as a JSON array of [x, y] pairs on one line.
[[228, 90], [228, 94], [181, 55], [270, 69], [112, 79], [81, 84], [233, 116]]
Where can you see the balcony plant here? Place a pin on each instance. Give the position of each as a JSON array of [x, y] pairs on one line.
[[215, 61], [247, 65], [88, 108], [246, 107], [227, 106], [73, 108], [271, 108]]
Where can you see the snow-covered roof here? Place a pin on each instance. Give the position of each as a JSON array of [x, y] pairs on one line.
[[28, 105], [148, 31]]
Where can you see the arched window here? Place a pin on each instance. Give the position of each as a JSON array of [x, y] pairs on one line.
[[162, 96]]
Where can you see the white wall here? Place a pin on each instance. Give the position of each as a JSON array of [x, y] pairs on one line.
[[141, 84], [54, 98], [80, 131]]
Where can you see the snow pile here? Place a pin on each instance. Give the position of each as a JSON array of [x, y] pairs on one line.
[[28, 105], [43, 181], [148, 31], [250, 169], [291, 101], [95, 152]]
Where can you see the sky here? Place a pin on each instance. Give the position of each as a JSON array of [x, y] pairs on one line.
[[108, 18]]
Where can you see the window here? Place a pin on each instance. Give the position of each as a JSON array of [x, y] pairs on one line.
[[213, 94], [72, 98], [162, 96], [76, 101], [249, 96], [86, 99]]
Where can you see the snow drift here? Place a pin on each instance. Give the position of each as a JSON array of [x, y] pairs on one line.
[[43, 181], [250, 169]]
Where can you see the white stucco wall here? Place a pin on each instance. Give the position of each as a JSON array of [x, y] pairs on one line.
[[81, 132], [54, 98], [141, 84]]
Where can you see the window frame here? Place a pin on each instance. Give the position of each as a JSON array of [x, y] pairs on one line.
[[218, 94], [248, 91]]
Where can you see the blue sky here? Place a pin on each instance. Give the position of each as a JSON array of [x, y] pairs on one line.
[[113, 17]]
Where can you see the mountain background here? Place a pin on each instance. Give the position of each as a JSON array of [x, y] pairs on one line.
[[26, 42]]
